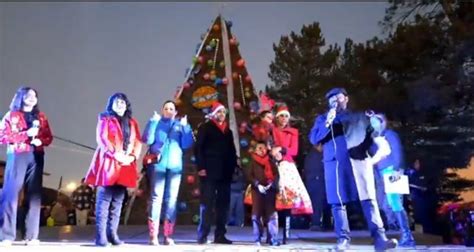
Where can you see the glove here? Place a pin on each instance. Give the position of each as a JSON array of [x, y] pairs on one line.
[[261, 189]]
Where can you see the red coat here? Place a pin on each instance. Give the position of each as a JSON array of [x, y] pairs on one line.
[[287, 138], [104, 169], [13, 132]]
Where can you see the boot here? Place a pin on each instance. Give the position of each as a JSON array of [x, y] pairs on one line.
[[113, 223], [257, 229], [101, 224], [153, 227], [286, 229], [374, 221], [406, 238], [168, 230]]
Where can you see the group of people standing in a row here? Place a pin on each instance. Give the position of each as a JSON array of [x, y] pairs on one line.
[[275, 183]]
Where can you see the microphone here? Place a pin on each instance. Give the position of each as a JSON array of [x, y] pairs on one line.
[[332, 113], [36, 124]]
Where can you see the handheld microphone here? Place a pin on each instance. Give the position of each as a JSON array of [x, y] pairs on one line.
[[332, 110], [36, 124]]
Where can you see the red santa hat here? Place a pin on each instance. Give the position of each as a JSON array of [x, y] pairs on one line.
[[282, 110], [216, 106]]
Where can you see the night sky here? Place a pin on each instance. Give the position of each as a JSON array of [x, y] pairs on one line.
[[77, 54]]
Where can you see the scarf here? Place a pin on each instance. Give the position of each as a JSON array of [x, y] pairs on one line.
[[222, 126], [267, 166]]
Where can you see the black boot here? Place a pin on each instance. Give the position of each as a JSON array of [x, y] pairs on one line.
[[101, 221], [114, 215], [406, 239]]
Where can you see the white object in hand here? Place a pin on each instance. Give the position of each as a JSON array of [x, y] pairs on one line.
[[36, 142], [261, 189], [330, 117], [184, 120]]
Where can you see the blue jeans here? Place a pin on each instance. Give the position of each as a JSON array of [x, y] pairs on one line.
[[164, 188], [236, 211], [394, 200]]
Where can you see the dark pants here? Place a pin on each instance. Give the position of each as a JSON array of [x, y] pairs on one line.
[[23, 169], [108, 208], [321, 216], [214, 194], [263, 207]]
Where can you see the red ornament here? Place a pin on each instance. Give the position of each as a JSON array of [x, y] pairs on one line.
[[233, 41], [243, 124], [190, 179], [200, 59], [240, 63], [186, 85], [196, 192], [225, 81], [237, 105], [248, 79], [206, 76]]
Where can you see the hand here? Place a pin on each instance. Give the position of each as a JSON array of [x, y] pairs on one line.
[[128, 159], [184, 120], [156, 116], [119, 156], [36, 142], [261, 189], [32, 132], [268, 186], [202, 173], [276, 150]]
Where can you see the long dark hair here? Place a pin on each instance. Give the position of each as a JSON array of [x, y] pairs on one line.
[[18, 103], [110, 102]]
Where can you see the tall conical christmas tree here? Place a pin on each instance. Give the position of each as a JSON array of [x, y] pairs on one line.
[[217, 73]]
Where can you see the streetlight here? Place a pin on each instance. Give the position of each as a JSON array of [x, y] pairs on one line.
[[71, 186]]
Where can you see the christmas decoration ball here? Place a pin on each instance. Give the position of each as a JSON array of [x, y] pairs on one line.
[[245, 161], [196, 192], [195, 60], [218, 81], [190, 179], [242, 130], [233, 41], [243, 124], [240, 63], [210, 62], [216, 27], [222, 64], [235, 75], [225, 81], [253, 142], [248, 95], [213, 77], [186, 85], [178, 102], [247, 89], [182, 206], [237, 105], [244, 143], [200, 59], [228, 23], [193, 158], [196, 219], [213, 43], [248, 78], [213, 72], [209, 48], [206, 76], [139, 193]]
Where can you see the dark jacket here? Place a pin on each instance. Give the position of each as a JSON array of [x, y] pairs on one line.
[[215, 152], [256, 175]]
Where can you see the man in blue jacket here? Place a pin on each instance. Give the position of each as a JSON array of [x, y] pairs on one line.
[[346, 139]]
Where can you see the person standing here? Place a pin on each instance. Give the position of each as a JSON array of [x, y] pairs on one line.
[[113, 167], [348, 170], [83, 198], [25, 130], [167, 139], [216, 160]]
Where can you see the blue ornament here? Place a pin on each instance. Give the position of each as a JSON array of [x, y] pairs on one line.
[[244, 143], [193, 159], [182, 206], [209, 48], [218, 81], [228, 23]]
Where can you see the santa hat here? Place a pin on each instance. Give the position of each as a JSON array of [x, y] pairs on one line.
[[282, 110], [216, 106]]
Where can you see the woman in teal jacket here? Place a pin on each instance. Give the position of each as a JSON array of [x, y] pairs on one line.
[[167, 138]]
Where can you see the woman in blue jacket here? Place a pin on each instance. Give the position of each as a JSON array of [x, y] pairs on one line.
[[167, 139]]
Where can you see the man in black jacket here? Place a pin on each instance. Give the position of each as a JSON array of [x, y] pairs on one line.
[[216, 160]]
